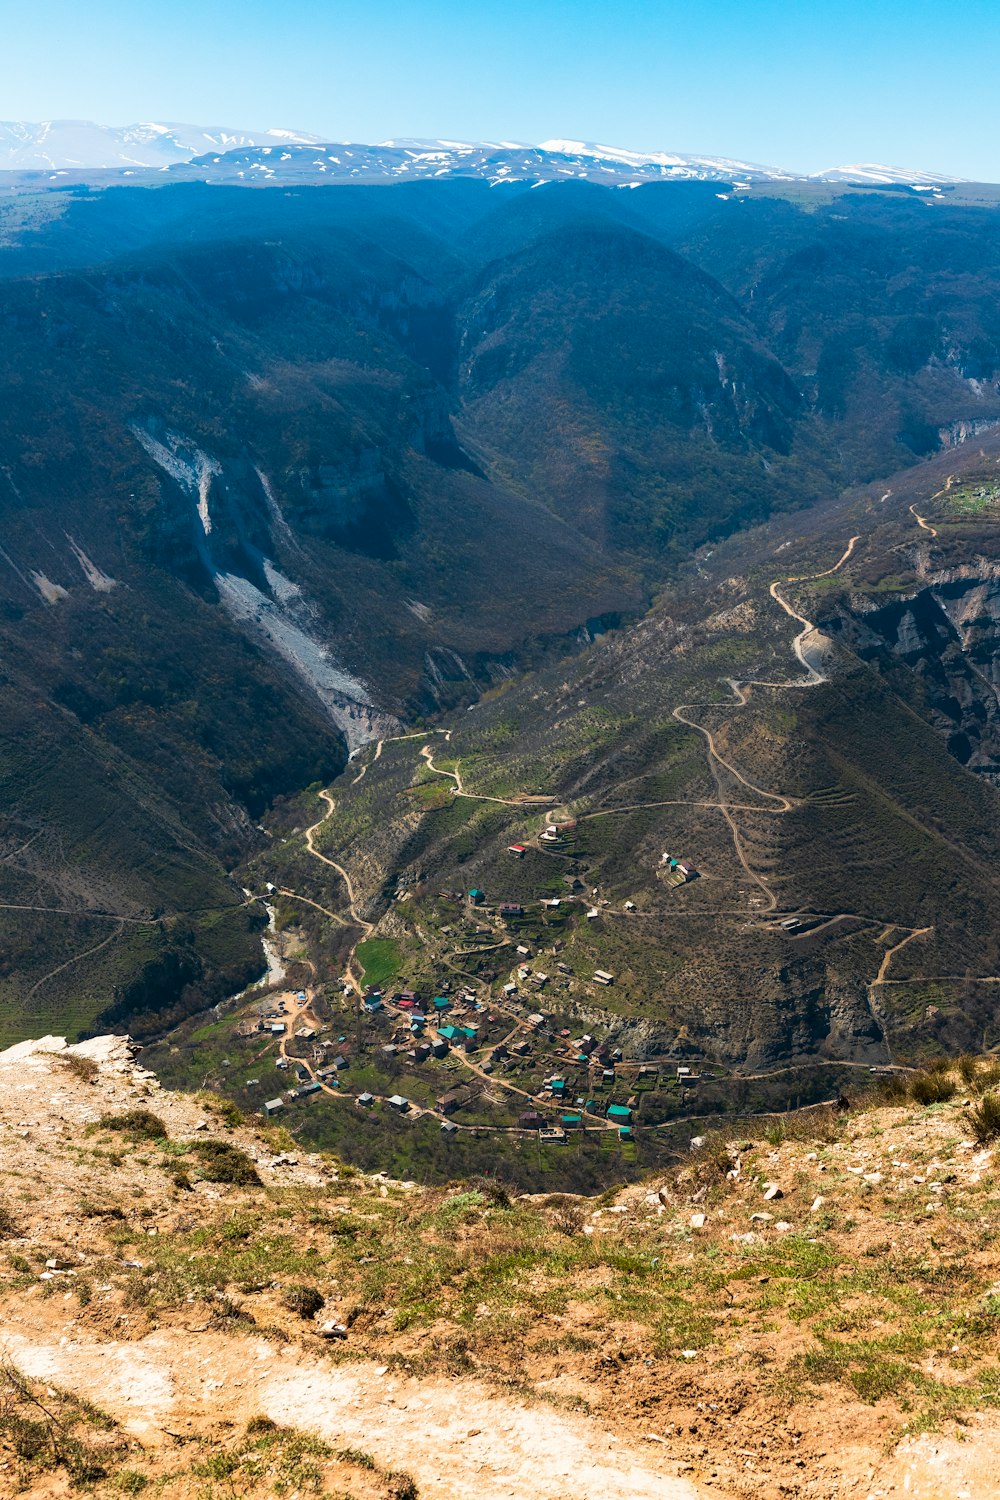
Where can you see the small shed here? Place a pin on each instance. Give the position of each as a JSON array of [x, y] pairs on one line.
[[620, 1113], [397, 1102], [366, 1100], [518, 850], [272, 1106], [448, 1127], [476, 896]]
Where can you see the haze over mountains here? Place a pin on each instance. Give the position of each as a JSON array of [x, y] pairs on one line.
[[82, 145], [34, 146]]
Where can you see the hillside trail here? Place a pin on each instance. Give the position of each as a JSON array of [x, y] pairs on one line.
[[924, 525], [456, 1438], [717, 762], [68, 963], [524, 801], [391, 740]]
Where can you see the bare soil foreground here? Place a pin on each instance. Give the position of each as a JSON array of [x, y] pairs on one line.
[[189, 1306]]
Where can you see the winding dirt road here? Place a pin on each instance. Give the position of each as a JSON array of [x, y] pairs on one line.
[[924, 525]]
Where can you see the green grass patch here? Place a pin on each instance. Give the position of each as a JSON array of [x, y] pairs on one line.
[[380, 959]]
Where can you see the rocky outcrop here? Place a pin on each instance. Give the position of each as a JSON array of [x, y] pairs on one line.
[[947, 634]]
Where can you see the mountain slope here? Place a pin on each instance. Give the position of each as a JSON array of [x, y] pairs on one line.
[[844, 909], [593, 335], [340, 459]]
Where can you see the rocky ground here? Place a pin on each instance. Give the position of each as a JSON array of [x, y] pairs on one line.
[[190, 1305]]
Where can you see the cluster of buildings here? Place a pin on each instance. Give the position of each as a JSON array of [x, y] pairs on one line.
[[678, 871]]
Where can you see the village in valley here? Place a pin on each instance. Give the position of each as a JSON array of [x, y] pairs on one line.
[[549, 1008], [408, 1022], [488, 1055], [490, 1045]]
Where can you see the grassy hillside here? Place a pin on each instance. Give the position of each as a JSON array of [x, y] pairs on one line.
[[709, 1329]]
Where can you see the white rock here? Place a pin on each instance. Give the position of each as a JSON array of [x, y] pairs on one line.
[[697, 1221]]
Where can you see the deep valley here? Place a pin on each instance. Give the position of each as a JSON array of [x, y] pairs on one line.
[[368, 546]]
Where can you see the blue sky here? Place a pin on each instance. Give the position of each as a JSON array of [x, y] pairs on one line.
[[800, 83]]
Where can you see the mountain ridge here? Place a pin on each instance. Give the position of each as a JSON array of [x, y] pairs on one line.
[[68, 145]]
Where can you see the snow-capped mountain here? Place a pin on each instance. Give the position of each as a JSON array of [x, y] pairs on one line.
[[510, 161], [218, 153], [62, 144], [875, 173], [496, 161], [651, 164]]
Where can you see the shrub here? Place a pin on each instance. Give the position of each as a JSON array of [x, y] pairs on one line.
[[131, 1482], [221, 1161], [141, 1124], [568, 1219], [261, 1424], [400, 1486], [894, 1088], [968, 1067], [985, 1119], [988, 1078], [931, 1088], [497, 1194], [226, 1311], [358, 1457], [8, 1224], [84, 1068], [304, 1300]]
